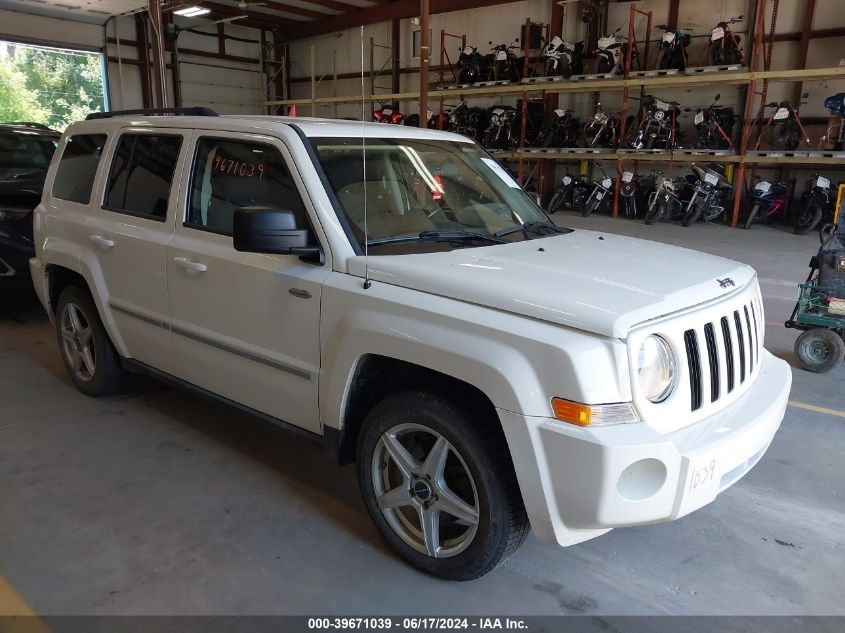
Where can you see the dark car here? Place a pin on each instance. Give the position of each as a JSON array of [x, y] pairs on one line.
[[25, 153]]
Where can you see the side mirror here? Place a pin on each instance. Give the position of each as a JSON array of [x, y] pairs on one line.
[[717, 97], [268, 230]]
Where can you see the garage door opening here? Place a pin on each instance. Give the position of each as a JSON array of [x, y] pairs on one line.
[[52, 86]]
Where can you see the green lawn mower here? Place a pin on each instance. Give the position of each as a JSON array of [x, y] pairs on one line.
[[820, 309]]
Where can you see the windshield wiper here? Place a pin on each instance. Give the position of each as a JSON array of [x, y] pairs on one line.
[[535, 226], [448, 236]]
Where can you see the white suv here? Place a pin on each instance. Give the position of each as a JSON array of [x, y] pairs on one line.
[[394, 291]]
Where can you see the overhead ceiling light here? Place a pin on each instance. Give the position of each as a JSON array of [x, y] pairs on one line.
[[191, 12]]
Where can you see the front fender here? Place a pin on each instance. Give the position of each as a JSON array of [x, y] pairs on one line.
[[517, 362]]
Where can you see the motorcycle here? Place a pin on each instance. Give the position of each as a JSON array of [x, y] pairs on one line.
[[470, 65], [560, 131], [634, 193], [725, 47], [570, 195], [602, 130], [388, 115], [708, 188], [832, 140], [503, 66], [612, 53], [814, 202], [664, 201], [601, 198], [714, 126], [471, 122], [562, 59], [502, 131], [767, 202], [659, 126], [674, 45], [787, 130]]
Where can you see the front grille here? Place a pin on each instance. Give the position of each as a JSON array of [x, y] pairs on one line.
[[732, 340]]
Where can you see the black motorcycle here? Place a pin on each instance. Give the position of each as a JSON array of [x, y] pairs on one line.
[[503, 64], [561, 59], [471, 122], [561, 131], [571, 194], [658, 128], [602, 130], [664, 200], [673, 48], [601, 197], [725, 46], [814, 202], [470, 65], [784, 127], [708, 188], [714, 126], [633, 193], [502, 131]]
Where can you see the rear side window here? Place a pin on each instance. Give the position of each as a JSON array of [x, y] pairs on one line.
[[232, 174], [78, 166], [141, 174]]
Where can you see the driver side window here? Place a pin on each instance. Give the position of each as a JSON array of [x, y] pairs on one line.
[[231, 174]]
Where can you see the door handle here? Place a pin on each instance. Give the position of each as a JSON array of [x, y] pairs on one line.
[[298, 292], [186, 264], [99, 240]]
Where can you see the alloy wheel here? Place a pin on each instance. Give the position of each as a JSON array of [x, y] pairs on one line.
[[78, 342], [425, 490]]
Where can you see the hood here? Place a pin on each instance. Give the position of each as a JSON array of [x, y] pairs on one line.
[[597, 282]]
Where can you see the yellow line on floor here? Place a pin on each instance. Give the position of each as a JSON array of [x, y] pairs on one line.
[[812, 407], [12, 604]]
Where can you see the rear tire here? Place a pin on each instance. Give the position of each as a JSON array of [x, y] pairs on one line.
[[751, 215], [806, 222], [556, 202], [453, 460], [87, 352], [819, 350], [591, 206]]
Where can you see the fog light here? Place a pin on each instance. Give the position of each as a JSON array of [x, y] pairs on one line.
[[642, 479]]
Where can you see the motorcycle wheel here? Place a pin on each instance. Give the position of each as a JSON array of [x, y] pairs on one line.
[[807, 220], [665, 58], [691, 216], [550, 70], [565, 69], [604, 66], [751, 216], [591, 206], [487, 140], [655, 212], [556, 202]]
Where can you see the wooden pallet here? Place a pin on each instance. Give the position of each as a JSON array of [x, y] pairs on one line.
[[454, 86], [563, 150], [488, 84], [796, 154], [543, 80], [594, 77], [664, 72], [705, 152], [728, 68]]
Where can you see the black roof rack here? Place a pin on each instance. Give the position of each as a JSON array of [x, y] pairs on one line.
[[39, 126], [195, 111]]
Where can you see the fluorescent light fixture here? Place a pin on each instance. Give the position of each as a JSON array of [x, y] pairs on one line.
[[191, 12]]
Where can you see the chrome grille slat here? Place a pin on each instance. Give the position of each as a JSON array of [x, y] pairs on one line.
[[741, 342], [751, 342], [694, 364], [729, 352], [713, 360]]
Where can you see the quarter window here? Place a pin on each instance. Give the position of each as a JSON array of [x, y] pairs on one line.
[[78, 167], [228, 175], [141, 174]]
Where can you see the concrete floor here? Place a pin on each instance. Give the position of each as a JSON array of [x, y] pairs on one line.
[[161, 503]]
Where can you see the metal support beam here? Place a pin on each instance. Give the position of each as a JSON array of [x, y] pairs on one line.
[[143, 59], [424, 60], [674, 9], [394, 62], [803, 48], [159, 81]]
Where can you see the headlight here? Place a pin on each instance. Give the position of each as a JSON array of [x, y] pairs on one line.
[[656, 369], [13, 214]]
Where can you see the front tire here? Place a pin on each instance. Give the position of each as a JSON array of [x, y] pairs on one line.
[[751, 215], [87, 352], [819, 350], [556, 202], [439, 484], [808, 220]]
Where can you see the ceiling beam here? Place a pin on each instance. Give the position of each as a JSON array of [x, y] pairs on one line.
[[253, 18], [397, 10], [343, 7], [287, 8]]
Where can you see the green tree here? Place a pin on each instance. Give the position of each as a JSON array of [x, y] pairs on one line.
[[66, 85], [17, 102]]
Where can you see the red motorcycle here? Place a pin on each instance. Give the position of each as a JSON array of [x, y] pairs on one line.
[[388, 115]]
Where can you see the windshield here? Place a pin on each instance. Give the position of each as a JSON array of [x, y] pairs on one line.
[[23, 154], [417, 189]]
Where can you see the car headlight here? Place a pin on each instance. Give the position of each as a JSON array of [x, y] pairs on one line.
[[656, 368], [13, 214]]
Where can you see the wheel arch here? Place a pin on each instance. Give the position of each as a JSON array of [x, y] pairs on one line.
[[375, 376]]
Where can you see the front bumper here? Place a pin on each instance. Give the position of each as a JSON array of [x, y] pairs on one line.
[[578, 483], [16, 249]]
